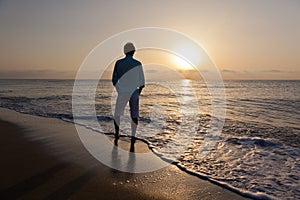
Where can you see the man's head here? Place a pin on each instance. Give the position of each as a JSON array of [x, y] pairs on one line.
[[129, 49]]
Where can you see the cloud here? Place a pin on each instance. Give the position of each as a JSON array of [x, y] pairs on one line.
[[19, 74], [276, 71], [228, 71], [273, 71]]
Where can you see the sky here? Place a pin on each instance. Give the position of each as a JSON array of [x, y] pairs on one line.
[[246, 39]]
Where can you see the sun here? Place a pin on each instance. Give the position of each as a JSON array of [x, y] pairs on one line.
[[180, 63]]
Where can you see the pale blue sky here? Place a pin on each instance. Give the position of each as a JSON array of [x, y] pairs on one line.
[[253, 39]]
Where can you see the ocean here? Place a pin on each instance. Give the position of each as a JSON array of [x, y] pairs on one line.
[[257, 153]]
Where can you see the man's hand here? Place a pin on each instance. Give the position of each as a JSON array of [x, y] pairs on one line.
[[140, 89], [117, 88]]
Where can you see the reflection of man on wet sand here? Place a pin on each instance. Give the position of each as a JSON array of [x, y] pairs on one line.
[[128, 79]]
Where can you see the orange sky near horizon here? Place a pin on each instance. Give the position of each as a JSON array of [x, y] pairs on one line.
[[249, 39]]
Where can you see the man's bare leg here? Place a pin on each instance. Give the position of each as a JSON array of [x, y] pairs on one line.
[[117, 128], [134, 123]]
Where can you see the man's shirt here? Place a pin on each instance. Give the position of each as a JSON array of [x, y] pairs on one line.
[[128, 75]]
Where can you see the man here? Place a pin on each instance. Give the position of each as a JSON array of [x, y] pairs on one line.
[[128, 79]]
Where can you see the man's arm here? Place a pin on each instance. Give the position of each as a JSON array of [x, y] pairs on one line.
[[115, 75], [141, 79]]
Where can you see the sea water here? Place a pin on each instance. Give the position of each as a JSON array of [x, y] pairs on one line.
[[257, 153]]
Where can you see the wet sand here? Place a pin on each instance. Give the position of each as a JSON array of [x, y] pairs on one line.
[[43, 158]]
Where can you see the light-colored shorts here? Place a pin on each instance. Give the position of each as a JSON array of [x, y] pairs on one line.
[[121, 103]]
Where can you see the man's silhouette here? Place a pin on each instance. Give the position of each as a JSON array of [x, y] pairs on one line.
[[128, 79]]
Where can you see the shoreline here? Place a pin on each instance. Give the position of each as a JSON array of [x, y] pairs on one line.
[[44, 158]]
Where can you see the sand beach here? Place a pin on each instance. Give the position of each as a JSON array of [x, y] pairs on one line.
[[43, 158]]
